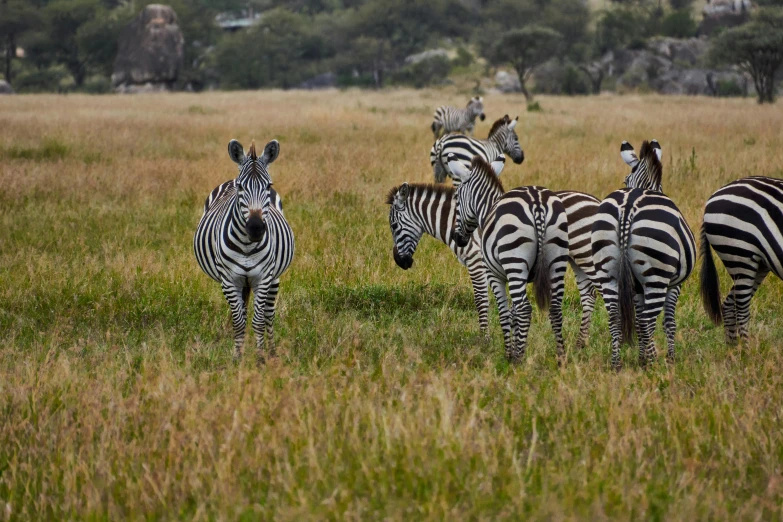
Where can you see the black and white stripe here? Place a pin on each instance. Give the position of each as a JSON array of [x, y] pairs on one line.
[[743, 223], [643, 250], [502, 140], [449, 119], [416, 209], [524, 238], [244, 242]]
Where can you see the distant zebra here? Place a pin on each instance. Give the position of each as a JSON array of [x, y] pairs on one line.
[[244, 242], [502, 140], [524, 238], [416, 209], [451, 119], [743, 222], [643, 250]]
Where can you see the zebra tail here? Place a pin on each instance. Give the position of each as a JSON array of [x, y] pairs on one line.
[[542, 282], [710, 285], [625, 287], [439, 167]]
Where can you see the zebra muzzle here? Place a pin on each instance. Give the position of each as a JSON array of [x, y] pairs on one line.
[[404, 262], [482, 116], [255, 228], [460, 240]]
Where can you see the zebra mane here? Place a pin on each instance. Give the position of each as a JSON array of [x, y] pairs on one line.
[[649, 158], [436, 189], [498, 125], [482, 168]]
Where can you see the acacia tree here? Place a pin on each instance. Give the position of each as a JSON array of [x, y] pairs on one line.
[[525, 49], [756, 48], [16, 18]]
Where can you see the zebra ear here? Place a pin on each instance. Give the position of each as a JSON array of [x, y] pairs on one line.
[[458, 170], [236, 152], [657, 148], [513, 123], [498, 164], [271, 151], [401, 197], [628, 154]]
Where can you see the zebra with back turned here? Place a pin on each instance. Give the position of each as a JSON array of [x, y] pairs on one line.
[[743, 222], [643, 250], [244, 242], [502, 140], [449, 119], [524, 238]]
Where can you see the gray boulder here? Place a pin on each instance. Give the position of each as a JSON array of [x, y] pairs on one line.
[[151, 50], [429, 54], [322, 81], [5, 87], [507, 82]]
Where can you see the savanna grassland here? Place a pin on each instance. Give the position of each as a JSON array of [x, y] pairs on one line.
[[119, 398]]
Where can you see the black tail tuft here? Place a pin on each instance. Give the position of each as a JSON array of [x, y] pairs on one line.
[[625, 294], [542, 282], [710, 285]]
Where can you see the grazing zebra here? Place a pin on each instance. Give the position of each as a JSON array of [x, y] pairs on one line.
[[524, 238], [743, 222], [643, 250], [451, 119], [502, 139], [244, 242]]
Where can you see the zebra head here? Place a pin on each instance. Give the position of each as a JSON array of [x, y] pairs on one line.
[[406, 232], [646, 169], [504, 136], [252, 185], [476, 107], [475, 185]]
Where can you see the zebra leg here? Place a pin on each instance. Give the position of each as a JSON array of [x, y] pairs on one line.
[[669, 323], [730, 315], [743, 302], [521, 312], [499, 289], [640, 328], [478, 279], [557, 276], [237, 303], [654, 300], [609, 292], [261, 292], [269, 315], [587, 300]]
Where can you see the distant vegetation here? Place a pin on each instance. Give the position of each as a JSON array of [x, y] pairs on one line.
[[70, 45]]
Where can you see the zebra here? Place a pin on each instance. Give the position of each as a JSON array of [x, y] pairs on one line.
[[244, 242], [743, 222], [452, 119], [643, 250], [502, 139], [415, 209], [524, 238]]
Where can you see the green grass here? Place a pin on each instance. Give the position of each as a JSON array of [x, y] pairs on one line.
[[119, 398]]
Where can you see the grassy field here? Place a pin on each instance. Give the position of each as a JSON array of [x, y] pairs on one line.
[[119, 400]]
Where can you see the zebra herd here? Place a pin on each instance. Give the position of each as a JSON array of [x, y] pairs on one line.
[[634, 247]]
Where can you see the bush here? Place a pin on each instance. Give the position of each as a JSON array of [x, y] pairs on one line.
[[97, 85], [426, 72], [573, 82], [729, 88], [39, 80], [679, 24], [464, 58]]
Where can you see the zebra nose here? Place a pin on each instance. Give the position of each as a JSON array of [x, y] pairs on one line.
[[460, 240], [255, 228], [482, 116], [404, 262]]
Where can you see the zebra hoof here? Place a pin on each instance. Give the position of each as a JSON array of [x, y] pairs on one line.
[[260, 360], [670, 358], [617, 367]]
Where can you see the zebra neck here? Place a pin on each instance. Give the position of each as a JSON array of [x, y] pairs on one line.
[[497, 139], [486, 202], [434, 212]]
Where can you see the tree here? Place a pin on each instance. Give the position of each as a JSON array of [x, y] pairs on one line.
[[16, 18], [756, 48], [525, 49]]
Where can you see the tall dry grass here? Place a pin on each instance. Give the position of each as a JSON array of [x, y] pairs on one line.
[[118, 399]]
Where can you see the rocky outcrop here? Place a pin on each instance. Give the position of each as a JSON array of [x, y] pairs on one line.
[[506, 82], [5, 87], [150, 53], [724, 13], [326, 80]]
